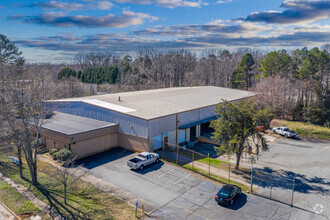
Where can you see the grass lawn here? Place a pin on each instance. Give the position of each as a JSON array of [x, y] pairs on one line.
[[16, 202], [211, 176], [84, 200], [303, 128], [220, 164]]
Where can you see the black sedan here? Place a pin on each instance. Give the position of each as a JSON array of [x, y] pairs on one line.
[[227, 194]]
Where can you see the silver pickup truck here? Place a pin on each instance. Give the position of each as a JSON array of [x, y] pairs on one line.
[[143, 159], [284, 131]]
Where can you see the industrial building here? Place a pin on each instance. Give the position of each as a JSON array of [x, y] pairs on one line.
[[138, 121]]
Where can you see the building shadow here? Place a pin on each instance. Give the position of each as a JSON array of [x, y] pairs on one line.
[[206, 148], [103, 158]]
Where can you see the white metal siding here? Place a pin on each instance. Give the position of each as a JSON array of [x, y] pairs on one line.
[[182, 136], [188, 117], [126, 124], [171, 138], [159, 125], [207, 112], [157, 142]]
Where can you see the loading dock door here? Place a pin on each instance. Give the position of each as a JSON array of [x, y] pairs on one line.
[[193, 133], [206, 129]]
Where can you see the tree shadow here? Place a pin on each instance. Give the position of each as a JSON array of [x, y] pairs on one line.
[[57, 208], [267, 177]]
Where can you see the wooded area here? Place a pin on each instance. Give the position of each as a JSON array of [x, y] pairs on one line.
[[294, 84]]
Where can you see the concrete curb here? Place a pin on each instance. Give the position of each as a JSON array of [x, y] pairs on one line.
[[107, 187], [9, 210], [31, 197]]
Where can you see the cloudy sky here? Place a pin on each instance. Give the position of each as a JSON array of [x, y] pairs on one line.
[[54, 30]]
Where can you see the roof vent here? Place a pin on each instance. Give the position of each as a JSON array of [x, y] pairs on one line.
[[119, 99]]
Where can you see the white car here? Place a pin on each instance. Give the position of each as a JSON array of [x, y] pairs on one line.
[[284, 131], [142, 160]]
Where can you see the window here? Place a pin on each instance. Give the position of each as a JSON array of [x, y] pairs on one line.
[[151, 156], [232, 193]]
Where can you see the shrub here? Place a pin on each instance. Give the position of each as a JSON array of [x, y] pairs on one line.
[[62, 155], [53, 151], [327, 124]]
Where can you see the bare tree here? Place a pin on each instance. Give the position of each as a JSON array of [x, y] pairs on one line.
[[21, 109], [276, 93], [91, 59], [66, 175]]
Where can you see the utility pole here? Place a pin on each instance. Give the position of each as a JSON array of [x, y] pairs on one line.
[[251, 178], [176, 138]]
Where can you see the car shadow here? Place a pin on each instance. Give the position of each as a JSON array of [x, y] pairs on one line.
[[150, 168], [296, 138], [238, 203]]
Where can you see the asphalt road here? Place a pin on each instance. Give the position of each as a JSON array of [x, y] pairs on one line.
[[306, 158], [308, 162], [175, 193]]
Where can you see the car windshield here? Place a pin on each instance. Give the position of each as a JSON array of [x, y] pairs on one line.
[[225, 192], [286, 129]]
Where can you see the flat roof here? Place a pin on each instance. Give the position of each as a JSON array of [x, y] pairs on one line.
[[156, 103], [71, 124]]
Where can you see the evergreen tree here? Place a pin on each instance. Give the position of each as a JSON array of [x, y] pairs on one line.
[[276, 63], [241, 77], [235, 129], [66, 72]]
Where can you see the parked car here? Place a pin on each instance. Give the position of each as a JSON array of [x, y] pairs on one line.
[[142, 160], [284, 131], [227, 194]]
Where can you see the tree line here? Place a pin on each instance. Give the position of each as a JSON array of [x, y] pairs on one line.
[[301, 75]]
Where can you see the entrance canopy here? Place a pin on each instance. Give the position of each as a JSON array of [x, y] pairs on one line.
[[198, 122]]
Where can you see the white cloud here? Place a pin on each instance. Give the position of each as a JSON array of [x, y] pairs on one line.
[[104, 5], [223, 2], [165, 3], [125, 19]]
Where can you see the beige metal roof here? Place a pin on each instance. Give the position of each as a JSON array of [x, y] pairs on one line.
[[150, 104]]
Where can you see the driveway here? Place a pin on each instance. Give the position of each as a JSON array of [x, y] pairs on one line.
[[308, 162], [157, 184], [306, 158], [179, 194]]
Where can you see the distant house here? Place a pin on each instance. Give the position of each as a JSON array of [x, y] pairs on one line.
[[138, 121]]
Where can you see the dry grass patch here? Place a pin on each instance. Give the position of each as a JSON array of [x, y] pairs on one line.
[[85, 201], [303, 128]]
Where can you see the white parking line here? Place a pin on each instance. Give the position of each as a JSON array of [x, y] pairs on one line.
[[182, 179], [166, 173]]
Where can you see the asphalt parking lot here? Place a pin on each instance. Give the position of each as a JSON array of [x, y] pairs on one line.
[[175, 193], [308, 162], [157, 183]]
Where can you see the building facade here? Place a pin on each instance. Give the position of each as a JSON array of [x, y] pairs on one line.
[[152, 119]]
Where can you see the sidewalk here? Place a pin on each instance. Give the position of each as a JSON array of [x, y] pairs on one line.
[[6, 214], [104, 186], [31, 197], [205, 167]]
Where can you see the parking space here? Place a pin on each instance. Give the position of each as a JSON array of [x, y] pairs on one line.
[[177, 194], [157, 184], [245, 207]]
